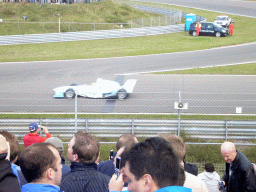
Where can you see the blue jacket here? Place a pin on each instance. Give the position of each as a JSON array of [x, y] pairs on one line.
[[84, 178], [32, 187], [171, 189], [174, 189]]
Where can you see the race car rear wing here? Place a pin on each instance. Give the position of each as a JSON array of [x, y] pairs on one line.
[[129, 85]]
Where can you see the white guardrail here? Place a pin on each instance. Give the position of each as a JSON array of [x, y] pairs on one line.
[[204, 129]]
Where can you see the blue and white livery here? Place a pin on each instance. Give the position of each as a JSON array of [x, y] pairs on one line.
[[101, 89]]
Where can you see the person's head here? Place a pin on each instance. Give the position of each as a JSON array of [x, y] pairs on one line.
[[41, 163], [83, 148], [3, 145], [14, 145], [126, 140], [121, 153], [209, 167], [33, 128], [177, 144], [151, 165], [57, 143], [228, 151], [254, 166]]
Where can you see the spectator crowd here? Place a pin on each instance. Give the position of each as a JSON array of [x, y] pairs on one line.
[[155, 164]]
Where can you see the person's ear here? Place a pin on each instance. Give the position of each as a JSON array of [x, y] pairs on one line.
[[50, 174], [75, 157], [148, 182]]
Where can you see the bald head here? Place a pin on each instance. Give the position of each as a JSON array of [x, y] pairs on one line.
[[228, 146], [228, 151]]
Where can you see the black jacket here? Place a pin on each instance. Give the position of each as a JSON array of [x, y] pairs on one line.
[[8, 180], [106, 167], [84, 178], [242, 178]]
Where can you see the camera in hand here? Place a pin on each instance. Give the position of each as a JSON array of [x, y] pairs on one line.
[[118, 166], [111, 154], [221, 184]]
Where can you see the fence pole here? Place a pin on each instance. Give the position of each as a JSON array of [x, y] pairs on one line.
[[179, 116], [59, 22], [76, 112]]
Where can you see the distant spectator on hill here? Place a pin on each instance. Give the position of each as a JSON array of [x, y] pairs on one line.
[[59, 146], [41, 165], [107, 167], [33, 136], [14, 152], [210, 177]]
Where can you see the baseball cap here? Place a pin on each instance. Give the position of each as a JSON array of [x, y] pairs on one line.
[[56, 142], [33, 127]]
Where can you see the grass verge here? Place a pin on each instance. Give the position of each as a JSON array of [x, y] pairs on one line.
[[242, 69], [168, 43], [126, 116]]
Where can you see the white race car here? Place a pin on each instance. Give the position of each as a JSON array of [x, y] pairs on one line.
[[101, 89]]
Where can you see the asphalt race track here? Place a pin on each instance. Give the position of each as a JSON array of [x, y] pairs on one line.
[[27, 86]]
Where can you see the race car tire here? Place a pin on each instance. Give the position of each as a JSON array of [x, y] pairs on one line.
[[122, 94], [69, 94], [194, 33], [217, 34]]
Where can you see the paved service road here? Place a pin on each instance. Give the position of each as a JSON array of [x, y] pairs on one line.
[[237, 7], [27, 87]]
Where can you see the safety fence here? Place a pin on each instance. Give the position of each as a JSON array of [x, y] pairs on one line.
[[201, 136], [24, 27], [21, 99], [202, 129]]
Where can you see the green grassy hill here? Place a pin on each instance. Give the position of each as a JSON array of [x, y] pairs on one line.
[[74, 15]]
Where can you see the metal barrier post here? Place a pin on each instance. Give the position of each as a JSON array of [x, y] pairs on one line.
[[86, 124], [40, 130], [132, 126], [226, 131]]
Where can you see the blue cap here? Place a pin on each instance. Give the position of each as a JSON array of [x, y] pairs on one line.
[[33, 127]]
